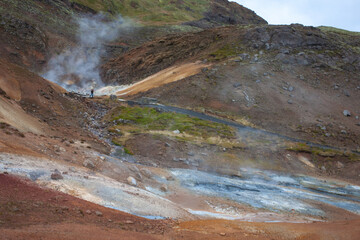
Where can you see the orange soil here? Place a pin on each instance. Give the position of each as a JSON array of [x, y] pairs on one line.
[[171, 74]]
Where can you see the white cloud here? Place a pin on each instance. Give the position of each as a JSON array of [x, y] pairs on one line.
[[342, 14]]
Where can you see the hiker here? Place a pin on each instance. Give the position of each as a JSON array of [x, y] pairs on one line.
[[93, 85]]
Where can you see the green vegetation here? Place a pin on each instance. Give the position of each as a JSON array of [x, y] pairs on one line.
[[117, 142], [149, 11], [225, 52], [148, 119], [327, 153], [338, 30]]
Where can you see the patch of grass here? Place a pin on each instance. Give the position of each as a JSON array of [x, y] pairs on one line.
[[118, 142], [128, 151], [150, 119], [338, 31], [327, 153], [148, 11], [225, 52]]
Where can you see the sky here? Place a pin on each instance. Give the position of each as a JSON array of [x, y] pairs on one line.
[[343, 14]]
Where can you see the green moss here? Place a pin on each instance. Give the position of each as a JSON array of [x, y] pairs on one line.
[[150, 119], [128, 151], [327, 153], [149, 11], [118, 143], [225, 52]]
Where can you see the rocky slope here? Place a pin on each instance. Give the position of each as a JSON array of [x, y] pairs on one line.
[[278, 83], [254, 67]]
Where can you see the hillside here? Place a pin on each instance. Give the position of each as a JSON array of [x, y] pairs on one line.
[[165, 12], [31, 31], [207, 123]]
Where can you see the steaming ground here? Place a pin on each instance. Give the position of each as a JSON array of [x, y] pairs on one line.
[[256, 196], [77, 68]]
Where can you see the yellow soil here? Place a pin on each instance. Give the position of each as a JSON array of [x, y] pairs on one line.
[[171, 74]]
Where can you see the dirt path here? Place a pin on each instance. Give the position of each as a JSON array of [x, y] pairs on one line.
[[171, 74]]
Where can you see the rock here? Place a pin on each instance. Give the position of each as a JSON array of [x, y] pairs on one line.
[[176, 131], [343, 132], [134, 169], [323, 168], [327, 134], [170, 178], [98, 213], [236, 85], [347, 113], [336, 87], [131, 181], [358, 124], [129, 222], [339, 165], [258, 81], [290, 101], [327, 154], [89, 164], [291, 88], [138, 176], [191, 154], [346, 93], [113, 97], [146, 172], [88, 212], [223, 234], [306, 161], [56, 175], [164, 188]]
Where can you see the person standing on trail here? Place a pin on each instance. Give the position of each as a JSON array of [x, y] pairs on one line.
[[92, 89]]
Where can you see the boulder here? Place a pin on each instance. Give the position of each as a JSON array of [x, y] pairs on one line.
[[131, 181], [146, 172], [56, 175], [133, 168], [339, 165], [89, 164], [98, 213], [164, 188], [347, 113]]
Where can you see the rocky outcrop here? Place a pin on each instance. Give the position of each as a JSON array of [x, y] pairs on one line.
[[223, 12]]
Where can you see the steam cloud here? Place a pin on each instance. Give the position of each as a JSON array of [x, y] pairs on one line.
[[77, 68]]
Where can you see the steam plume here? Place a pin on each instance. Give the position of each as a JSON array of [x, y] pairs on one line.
[[77, 68]]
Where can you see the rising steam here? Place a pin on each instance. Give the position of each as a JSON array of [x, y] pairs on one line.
[[77, 68]]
